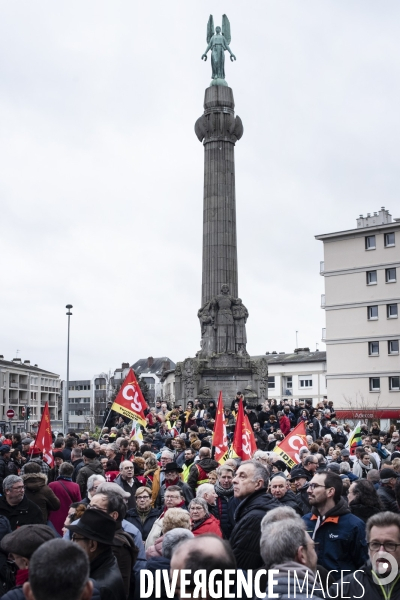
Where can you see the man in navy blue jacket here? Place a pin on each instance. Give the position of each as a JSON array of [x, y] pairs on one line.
[[340, 535]]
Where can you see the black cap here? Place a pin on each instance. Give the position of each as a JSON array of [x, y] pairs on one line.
[[95, 525], [172, 466], [388, 474], [26, 539], [89, 453]]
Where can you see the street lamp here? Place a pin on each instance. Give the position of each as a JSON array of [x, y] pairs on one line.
[[66, 403]]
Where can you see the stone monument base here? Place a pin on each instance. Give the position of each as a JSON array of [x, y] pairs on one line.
[[204, 378]]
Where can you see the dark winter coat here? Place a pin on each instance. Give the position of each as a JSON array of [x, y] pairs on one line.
[[388, 498], [4, 470], [156, 563], [38, 492], [130, 489], [341, 538], [144, 528], [207, 464], [364, 512], [261, 438], [226, 506], [292, 500], [17, 593], [287, 587], [245, 537], [372, 589], [24, 513], [302, 497], [91, 468], [104, 570]]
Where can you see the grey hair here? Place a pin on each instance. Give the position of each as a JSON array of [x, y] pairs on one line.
[[11, 480], [260, 472], [328, 436], [112, 447], [174, 537], [204, 488], [281, 513], [344, 467], [167, 454], [92, 479], [200, 502], [123, 463], [66, 469], [261, 454], [281, 540], [381, 519], [303, 450]]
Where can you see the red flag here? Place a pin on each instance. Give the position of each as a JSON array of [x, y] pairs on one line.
[[290, 447], [130, 401], [44, 440], [220, 440], [244, 444]]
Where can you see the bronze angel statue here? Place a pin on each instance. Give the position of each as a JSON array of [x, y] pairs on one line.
[[218, 41]]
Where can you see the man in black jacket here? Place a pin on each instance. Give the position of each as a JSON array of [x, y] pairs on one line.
[[95, 535], [15, 505], [280, 491], [92, 467], [260, 436], [388, 478], [250, 485]]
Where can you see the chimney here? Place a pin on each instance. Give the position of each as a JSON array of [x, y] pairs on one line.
[[27, 362], [150, 362], [1, 356], [18, 360], [125, 365], [166, 365]]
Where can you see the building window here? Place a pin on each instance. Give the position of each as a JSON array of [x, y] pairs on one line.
[[374, 384], [371, 278], [394, 384], [289, 382], [372, 313], [391, 311], [390, 275], [305, 381], [373, 348], [271, 382], [393, 346], [389, 240], [370, 242]]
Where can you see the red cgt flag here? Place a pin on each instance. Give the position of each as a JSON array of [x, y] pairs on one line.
[[44, 441], [244, 444], [130, 401], [220, 440], [290, 447]]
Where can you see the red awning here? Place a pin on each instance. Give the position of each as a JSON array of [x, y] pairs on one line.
[[367, 414]]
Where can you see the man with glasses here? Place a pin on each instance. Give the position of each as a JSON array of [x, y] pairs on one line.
[[340, 535], [127, 480], [379, 577], [15, 505]]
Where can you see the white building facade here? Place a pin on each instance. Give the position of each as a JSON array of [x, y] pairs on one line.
[[26, 386], [361, 271]]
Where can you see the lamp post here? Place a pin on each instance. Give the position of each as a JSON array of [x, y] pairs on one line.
[[66, 403]]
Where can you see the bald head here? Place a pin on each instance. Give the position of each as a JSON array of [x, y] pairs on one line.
[[278, 487], [204, 453]]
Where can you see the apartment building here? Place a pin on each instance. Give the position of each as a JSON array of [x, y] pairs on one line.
[[24, 385], [87, 400], [361, 271], [150, 370]]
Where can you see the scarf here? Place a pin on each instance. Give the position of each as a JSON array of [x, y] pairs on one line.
[[64, 478], [222, 491], [168, 483], [143, 514], [21, 576]]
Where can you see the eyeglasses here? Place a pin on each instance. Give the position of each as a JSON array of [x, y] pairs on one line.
[[387, 546], [77, 539], [312, 486]]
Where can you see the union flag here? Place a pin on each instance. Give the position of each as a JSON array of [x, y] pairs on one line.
[[244, 444], [44, 441], [220, 439], [290, 447], [130, 401]]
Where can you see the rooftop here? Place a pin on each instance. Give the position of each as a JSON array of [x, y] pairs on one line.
[[17, 363], [298, 356], [379, 220], [153, 365]]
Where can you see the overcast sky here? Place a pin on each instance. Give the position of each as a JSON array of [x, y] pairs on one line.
[[101, 184]]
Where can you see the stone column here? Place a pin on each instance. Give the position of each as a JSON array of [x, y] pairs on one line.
[[219, 130]]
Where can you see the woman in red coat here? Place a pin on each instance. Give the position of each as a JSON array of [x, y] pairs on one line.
[[202, 521], [67, 492], [284, 423]]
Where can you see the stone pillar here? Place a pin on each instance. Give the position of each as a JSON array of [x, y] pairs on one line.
[[219, 130]]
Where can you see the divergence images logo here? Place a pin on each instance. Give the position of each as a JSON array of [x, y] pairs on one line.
[[383, 562]]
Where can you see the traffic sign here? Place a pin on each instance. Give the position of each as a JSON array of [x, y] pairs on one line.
[[10, 413]]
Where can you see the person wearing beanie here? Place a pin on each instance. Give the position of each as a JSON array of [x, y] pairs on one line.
[[37, 490], [21, 544], [35, 455], [92, 467], [55, 471]]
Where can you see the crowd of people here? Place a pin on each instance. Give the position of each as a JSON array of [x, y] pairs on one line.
[[113, 506]]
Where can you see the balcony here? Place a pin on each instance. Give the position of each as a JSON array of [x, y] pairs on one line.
[[13, 384], [324, 333], [23, 386], [322, 300], [322, 267]]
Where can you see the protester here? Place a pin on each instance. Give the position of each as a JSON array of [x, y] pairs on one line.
[[38, 492], [199, 471], [226, 503], [143, 516], [92, 467], [172, 477], [387, 496], [363, 499], [202, 520], [15, 505], [67, 492], [175, 517], [280, 491]]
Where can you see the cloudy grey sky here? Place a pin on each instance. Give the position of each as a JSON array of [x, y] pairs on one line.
[[101, 172]]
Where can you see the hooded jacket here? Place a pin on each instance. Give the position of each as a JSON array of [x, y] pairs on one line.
[[287, 584], [38, 492], [363, 512], [341, 538], [364, 584], [245, 537], [92, 468], [207, 465]]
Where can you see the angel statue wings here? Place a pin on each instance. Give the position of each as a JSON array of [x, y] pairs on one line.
[[218, 41]]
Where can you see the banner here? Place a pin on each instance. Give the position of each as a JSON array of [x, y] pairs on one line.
[[136, 433], [220, 439], [354, 439], [44, 441], [130, 401], [290, 447], [244, 444]]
